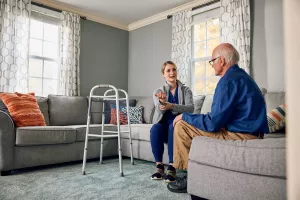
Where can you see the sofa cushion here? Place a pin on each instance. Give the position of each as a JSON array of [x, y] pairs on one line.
[[3, 107], [66, 110], [108, 103], [207, 104], [263, 91], [23, 109], [43, 105], [259, 156], [276, 119], [147, 103], [96, 111], [274, 99], [209, 99], [94, 129], [35, 135], [138, 131], [136, 115], [198, 103]]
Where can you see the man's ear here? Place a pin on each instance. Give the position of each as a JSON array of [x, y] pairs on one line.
[[222, 60]]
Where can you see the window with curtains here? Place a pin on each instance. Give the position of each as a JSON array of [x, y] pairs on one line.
[[205, 37], [43, 74]]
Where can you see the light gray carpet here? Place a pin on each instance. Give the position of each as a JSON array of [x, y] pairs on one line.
[[101, 182]]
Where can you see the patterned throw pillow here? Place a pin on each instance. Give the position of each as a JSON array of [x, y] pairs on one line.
[[108, 103], [23, 109], [276, 118], [136, 115]]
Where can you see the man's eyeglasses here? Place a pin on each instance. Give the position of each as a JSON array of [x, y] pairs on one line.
[[211, 62]]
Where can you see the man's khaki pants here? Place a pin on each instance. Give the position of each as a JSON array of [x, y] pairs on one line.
[[183, 135]]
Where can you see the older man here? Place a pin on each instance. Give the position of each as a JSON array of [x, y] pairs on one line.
[[238, 112]]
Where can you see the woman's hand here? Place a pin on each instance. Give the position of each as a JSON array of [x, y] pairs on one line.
[[161, 96], [167, 106]]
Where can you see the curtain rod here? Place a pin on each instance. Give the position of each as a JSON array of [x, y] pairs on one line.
[[200, 6], [51, 8]]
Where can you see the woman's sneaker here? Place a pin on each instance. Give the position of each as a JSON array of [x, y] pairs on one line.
[[171, 174], [160, 172]]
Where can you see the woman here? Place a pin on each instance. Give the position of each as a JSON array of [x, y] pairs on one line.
[[170, 100]]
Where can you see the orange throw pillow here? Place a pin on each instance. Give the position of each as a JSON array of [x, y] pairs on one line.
[[23, 109]]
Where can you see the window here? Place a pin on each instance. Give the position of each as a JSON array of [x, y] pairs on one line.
[[44, 52], [205, 37]]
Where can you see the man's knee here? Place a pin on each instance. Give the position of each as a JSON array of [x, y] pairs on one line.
[[179, 127]]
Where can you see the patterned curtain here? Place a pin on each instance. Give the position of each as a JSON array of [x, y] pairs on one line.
[[235, 28], [70, 41], [14, 45], [181, 43]]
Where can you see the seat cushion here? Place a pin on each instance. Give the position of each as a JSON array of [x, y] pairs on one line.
[[138, 131], [94, 129], [35, 135], [66, 110], [259, 156]]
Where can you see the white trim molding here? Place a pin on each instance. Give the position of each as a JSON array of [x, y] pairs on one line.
[[130, 27], [163, 15], [65, 7]]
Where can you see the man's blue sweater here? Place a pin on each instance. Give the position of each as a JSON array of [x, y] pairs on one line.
[[238, 106]]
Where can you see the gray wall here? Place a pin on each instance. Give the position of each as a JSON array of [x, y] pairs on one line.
[[267, 46], [103, 56], [149, 48], [151, 45]]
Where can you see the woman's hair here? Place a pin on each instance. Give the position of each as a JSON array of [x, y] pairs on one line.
[[167, 63]]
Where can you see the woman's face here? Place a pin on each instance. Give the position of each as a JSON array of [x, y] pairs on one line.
[[170, 73]]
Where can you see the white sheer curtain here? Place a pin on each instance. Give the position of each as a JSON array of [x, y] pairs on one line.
[[69, 52], [181, 43], [235, 28], [14, 45]]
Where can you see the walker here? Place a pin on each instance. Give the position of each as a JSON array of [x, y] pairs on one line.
[[113, 134]]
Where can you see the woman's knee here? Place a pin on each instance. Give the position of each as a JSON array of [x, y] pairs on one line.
[[156, 129]]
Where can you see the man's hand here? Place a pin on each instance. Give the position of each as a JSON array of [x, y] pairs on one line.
[[177, 119], [166, 106], [161, 96]]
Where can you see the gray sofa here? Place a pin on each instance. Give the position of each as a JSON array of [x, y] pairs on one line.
[[217, 169], [253, 169], [62, 140]]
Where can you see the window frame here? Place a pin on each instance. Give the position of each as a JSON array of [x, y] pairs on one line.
[[52, 14], [206, 58]]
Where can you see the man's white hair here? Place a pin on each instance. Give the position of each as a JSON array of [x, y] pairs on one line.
[[230, 54]]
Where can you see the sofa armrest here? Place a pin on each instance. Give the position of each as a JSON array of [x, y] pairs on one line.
[[258, 156], [7, 141]]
